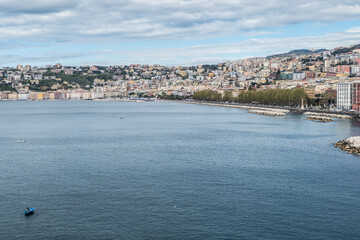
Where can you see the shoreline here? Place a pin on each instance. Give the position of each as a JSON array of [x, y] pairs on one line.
[[314, 113], [267, 108]]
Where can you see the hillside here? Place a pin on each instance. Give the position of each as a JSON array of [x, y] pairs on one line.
[[346, 49], [297, 53]]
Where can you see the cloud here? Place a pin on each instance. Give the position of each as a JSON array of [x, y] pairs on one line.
[[34, 7], [186, 56], [129, 20], [44, 58], [92, 31], [259, 47]]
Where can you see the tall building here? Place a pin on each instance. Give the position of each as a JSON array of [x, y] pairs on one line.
[[356, 96], [344, 96], [327, 63]]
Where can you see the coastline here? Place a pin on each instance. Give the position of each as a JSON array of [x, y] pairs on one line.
[[314, 113]]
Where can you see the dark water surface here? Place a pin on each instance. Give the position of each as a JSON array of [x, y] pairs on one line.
[[173, 171]]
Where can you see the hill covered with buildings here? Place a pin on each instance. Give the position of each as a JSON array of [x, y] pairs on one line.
[[318, 72]]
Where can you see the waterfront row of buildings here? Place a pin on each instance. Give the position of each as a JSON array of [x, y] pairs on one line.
[[322, 74], [60, 95]]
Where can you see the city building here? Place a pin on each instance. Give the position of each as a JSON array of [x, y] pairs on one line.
[[344, 96], [299, 76], [356, 96]]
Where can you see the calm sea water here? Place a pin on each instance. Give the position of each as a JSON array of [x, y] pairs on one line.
[[109, 170]]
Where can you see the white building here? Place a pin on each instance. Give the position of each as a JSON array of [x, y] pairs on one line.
[[327, 63], [86, 95], [299, 75], [23, 96], [344, 96], [97, 95], [75, 95], [355, 69]]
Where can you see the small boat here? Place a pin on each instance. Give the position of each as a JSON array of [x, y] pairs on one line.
[[29, 211], [21, 141]]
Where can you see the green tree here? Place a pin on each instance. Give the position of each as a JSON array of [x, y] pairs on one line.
[[282, 97], [228, 96]]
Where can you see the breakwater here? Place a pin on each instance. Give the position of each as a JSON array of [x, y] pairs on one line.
[[319, 119], [268, 113], [351, 145], [329, 115]]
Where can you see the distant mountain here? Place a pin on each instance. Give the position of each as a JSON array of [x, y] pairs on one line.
[[345, 49], [297, 53]]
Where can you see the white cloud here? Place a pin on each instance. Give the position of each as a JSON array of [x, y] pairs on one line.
[[161, 19], [354, 30], [215, 53], [200, 54], [37, 6], [48, 24]]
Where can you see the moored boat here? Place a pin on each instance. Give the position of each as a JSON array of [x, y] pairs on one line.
[[29, 211]]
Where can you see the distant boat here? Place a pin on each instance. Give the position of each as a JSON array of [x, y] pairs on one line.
[[29, 211], [21, 141]]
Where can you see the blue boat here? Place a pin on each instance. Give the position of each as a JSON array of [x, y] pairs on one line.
[[29, 211]]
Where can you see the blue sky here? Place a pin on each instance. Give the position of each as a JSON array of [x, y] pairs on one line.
[[169, 32]]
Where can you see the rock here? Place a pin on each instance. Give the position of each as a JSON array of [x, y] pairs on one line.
[[268, 112], [331, 115], [319, 119], [351, 145]]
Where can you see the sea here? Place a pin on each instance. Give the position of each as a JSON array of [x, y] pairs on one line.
[[164, 170]]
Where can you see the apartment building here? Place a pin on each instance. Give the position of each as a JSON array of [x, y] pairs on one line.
[[356, 96], [344, 96]]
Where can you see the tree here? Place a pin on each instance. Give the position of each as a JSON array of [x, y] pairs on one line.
[[207, 95], [282, 97], [228, 96]]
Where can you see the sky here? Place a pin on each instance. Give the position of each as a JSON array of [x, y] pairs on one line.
[[169, 32]]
